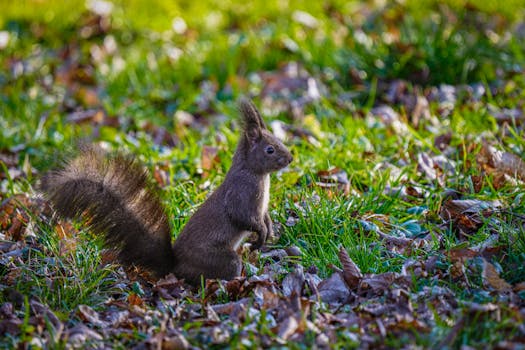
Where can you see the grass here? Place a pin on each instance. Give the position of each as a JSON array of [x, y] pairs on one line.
[[62, 275], [142, 84]]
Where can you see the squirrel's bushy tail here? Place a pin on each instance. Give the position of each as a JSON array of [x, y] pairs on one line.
[[114, 196]]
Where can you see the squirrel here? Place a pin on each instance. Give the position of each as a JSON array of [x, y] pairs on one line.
[[115, 196]]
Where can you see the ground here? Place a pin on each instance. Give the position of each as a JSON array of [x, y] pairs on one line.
[[400, 223]]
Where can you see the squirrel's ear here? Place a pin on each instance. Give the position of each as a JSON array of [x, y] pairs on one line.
[[252, 121]]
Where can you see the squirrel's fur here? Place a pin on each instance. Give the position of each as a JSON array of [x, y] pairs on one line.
[[115, 196]]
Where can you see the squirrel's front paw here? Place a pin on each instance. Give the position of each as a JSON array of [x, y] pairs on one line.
[[261, 239]]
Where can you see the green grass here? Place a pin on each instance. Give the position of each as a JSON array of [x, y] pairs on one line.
[[64, 278], [355, 54]]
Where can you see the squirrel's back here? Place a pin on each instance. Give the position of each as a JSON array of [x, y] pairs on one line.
[[114, 195]]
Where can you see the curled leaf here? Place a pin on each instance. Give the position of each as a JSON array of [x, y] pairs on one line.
[[351, 272]]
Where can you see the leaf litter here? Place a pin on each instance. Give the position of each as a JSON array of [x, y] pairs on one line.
[[291, 303]]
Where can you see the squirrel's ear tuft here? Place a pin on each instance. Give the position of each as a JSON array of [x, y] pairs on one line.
[[251, 120]]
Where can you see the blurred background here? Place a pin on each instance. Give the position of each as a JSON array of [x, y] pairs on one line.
[[155, 65]]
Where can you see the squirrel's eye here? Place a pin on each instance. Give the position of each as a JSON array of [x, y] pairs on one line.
[[269, 149]]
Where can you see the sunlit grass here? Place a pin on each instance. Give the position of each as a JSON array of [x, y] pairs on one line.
[[156, 71]]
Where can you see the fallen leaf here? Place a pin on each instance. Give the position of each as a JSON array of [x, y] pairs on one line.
[[445, 95], [266, 297], [209, 160], [442, 141], [390, 118], [468, 214], [11, 326], [461, 254], [473, 307], [289, 89], [511, 116], [135, 300], [174, 342], [44, 311], [13, 216], [428, 167], [294, 251], [93, 116], [334, 289], [378, 283], [288, 327], [519, 287], [228, 308], [293, 282], [65, 229], [351, 272], [87, 314], [491, 277], [418, 109], [334, 179], [497, 162], [81, 334]]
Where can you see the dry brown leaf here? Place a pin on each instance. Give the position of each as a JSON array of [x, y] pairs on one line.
[[519, 287], [390, 118], [351, 272], [88, 97], [13, 216], [12, 326], [211, 315], [161, 176], [429, 168], [18, 227], [228, 308], [377, 282], [294, 251], [468, 214], [457, 270], [334, 181], [334, 289], [461, 254], [401, 242], [80, 334], [87, 314], [108, 256], [169, 288], [418, 109], [266, 298], [175, 342], [442, 141], [93, 116], [492, 278], [473, 307], [289, 89], [293, 282], [377, 309], [496, 162], [460, 206], [288, 327], [135, 300], [209, 160], [45, 311], [235, 287]]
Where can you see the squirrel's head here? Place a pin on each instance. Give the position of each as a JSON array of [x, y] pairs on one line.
[[264, 153]]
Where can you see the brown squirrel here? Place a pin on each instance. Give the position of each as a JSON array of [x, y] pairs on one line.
[[115, 196]]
